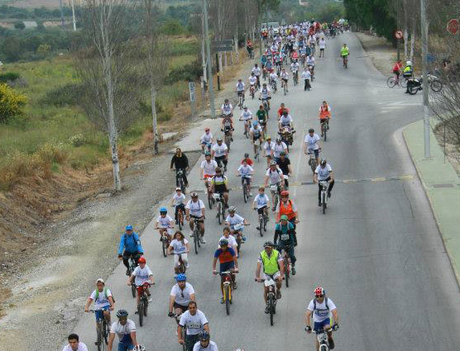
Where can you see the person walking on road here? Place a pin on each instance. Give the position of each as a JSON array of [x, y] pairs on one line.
[[74, 344], [195, 321]]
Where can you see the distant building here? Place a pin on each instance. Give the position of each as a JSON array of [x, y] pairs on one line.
[[30, 24]]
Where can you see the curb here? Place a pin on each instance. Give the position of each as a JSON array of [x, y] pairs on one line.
[[438, 224]]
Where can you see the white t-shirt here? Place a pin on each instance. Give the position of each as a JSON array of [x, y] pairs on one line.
[[252, 80], [273, 76], [227, 109], [311, 61], [261, 200], [256, 71], [195, 324], [278, 149], [101, 301], [246, 115], [182, 297], [256, 132], [164, 222], [286, 120], [81, 347], [323, 173], [245, 170], [294, 67], [179, 246], [195, 207], [265, 93], [274, 177], [312, 141], [178, 199], [211, 346], [322, 44], [206, 137], [269, 146], [231, 241], [219, 150], [240, 86], [122, 330], [284, 75], [321, 313], [142, 275], [306, 75], [209, 167], [236, 219]]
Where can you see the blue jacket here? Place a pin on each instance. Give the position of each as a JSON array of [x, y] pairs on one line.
[[130, 243]]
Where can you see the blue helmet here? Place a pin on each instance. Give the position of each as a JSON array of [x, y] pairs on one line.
[[129, 227], [163, 210], [255, 123], [204, 335], [181, 277]]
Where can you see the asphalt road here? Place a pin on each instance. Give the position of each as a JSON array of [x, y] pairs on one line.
[[377, 251]]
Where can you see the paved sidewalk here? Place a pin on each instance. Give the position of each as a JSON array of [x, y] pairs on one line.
[[442, 187]]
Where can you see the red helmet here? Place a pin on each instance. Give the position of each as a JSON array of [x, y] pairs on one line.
[[142, 260], [319, 291], [285, 193]]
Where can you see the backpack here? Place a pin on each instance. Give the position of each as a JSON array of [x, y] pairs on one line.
[[105, 293], [314, 304]]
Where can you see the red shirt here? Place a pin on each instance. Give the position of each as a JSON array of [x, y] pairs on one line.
[[397, 66], [280, 111], [248, 161], [225, 256]]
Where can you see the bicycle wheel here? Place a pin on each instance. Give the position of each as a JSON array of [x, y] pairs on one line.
[[436, 85], [271, 307], [413, 90], [146, 307], [140, 312], [286, 276], [219, 205], [261, 226], [133, 290], [180, 219], [265, 223], [403, 82], [325, 133], [391, 82], [323, 198], [164, 247], [313, 165], [99, 339], [195, 240], [209, 200], [106, 329], [227, 299], [245, 194], [323, 347]]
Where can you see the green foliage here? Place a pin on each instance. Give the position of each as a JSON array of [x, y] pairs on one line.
[[19, 25], [36, 13], [67, 95], [9, 77], [189, 72], [11, 103], [172, 27]]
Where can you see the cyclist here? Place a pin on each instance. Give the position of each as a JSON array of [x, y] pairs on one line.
[[103, 302], [227, 235], [279, 147], [240, 89], [262, 117], [195, 210], [252, 81], [295, 70], [306, 76], [285, 232], [228, 261], [179, 247], [180, 163], [194, 321], [273, 80], [247, 160], [261, 203], [285, 121], [324, 173], [220, 153], [273, 266], [285, 165], [178, 202], [321, 307], [206, 139], [322, 46], [75, 344], [257, 135], [208, 169], [274, 175], [344, 53], [397, 69], [205, 344], [324, 115], [282, 109], [284, 79], [142, 277], [227, 126], [181, 295], [265, 94], [227, 109], [164, 224], [287, 207], [126, 331], [257, 72], [130, 247], [311, 65], [245, 172], [219, 184], [311, 144], [249, 47], [233, 219], [268, 149], [246, 117]]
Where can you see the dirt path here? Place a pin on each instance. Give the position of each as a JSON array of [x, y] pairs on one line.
[[381, 52]]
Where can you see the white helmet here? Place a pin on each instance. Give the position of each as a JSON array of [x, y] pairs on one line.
[[409, 63]]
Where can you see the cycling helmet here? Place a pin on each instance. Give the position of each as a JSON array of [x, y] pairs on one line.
[[218, 170], [408, 63], [232, 209], [323, 162], [142, 260], [163, 210], [223, 242], [278, 139], [129, 227], [284, 193], [204, 335], [319, 291], [268, 137], [246, 155], [311, 130], [285, 113], [219, 139], [273, 163], [268, 244], [282, 153], [122, 313], [284, 218], [255, 123], [207, 154], [181, 277], [139, 348], [194, 194], [100, 280]]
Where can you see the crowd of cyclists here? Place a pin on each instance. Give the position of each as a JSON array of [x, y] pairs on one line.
[[294, 46]]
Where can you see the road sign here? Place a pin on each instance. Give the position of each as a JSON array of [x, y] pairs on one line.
[[453, 26], [191, 88], [222, 45], [399, 34]]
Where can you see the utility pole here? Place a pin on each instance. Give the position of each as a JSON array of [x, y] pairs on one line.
[[426, 116], [62, 13], [208, 58], [203, 50], [73, 16]]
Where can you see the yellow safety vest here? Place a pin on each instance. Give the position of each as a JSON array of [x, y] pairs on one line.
[[270, 263]]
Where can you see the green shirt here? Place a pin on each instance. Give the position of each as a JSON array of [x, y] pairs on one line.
[[261, 115], [344, 51]]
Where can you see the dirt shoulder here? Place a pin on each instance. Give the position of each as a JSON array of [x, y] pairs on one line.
[[381, 52], [65, 253]]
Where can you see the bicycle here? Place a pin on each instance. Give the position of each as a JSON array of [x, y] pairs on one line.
[[275, 191], [287, 263], [180, 180], [184, 329], [285, 89], [180, 218], [196, 234], [103, 330], [312, 161], [181, 268], [246, 185], [263, 219], [324, 128], [228, 287], [345, 61], [132, 266], [227, 136], [165, 241], [142, 306], [324, 186], [271, 296], [323, 339], [296, 78], [393, 81], [240, 100], [257, 148], [273, 85], [252, 91], [208, 190], [266, 106], [237, 232], [218, 198]]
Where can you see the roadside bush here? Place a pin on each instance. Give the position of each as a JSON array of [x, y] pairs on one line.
[[172, 27], [78, 140], [9, 77], [11, 103], [66, 95], [190, 72], [19, 25]]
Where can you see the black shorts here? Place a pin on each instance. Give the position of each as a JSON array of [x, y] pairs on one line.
[[183, 308], [261, 210]]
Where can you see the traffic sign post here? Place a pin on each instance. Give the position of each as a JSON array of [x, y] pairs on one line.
[[191, 88], [222, 45], [453, 26], [398, 35]]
